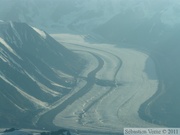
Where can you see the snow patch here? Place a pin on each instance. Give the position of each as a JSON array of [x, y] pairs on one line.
[[62, 74], [38, 103], [61, 86], [3, 59], [9, 48], [17, 34], [21, 109], [40, 32], [1, 21], [42, 86]]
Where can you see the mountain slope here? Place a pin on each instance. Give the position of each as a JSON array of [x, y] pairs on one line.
[[35, 71], [59, 15], [148, 27], [83, 15]]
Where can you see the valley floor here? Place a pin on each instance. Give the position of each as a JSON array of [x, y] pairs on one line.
[[111, 88]]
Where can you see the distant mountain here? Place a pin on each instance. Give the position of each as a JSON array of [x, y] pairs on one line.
[[152, 26], [85, 15], [142, 23], [59, 15], [35, 71]]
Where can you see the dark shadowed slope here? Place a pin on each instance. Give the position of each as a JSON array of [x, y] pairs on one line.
[[35, 71]]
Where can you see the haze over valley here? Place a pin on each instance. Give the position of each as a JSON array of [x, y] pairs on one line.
[[91, 67]]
